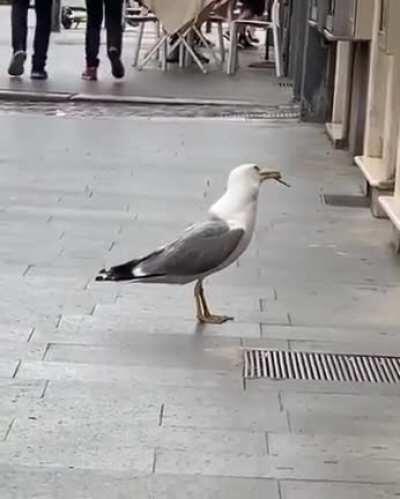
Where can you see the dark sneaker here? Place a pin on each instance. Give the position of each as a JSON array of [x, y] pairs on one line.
[[90, 73], [39, 74], [16, 67], [117, 68]]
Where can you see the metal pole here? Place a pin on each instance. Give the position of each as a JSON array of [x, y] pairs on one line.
[[56, 16]]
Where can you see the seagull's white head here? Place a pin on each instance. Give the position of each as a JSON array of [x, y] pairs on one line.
[[240, 198], [249, 177]]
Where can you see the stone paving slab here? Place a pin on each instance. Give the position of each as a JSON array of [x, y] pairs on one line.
[[197, 352], [84, 484], [334, 447], [304, 490], [125, 326], [314, 334], [114, 455], [349, 405], [104, 373], [264, 385], [215, 441], [351, 470], [274, 315], [341, 306], [388, 347], [18, 351], [324, 422], [255, 417]]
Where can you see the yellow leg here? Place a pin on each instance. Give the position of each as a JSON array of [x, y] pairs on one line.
[[203, 312]]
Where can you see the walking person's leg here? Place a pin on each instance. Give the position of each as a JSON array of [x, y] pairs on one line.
[[19, 31], [113, 14], [42, 38], [94, 10]]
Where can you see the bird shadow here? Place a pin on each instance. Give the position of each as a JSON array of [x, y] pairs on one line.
[[199, 328]]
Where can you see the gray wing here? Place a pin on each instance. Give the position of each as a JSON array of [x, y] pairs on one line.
[[202, 247]]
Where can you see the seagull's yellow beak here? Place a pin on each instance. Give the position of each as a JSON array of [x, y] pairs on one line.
[[271, 174]]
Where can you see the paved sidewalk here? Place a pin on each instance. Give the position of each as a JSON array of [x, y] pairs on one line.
[[113, 391], [66, 59]]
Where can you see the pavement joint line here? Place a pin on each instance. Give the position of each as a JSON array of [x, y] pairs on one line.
[[289, 422], [31, 333], [267, 446], [343, 482], [161, 415], [9, 428], [279, 485], [17, 368], [26, 271], [280, 401], [59, 319], [45, 386], [46, 350], [153, 468]]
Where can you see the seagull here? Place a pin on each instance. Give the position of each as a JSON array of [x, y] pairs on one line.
[[205, 247]]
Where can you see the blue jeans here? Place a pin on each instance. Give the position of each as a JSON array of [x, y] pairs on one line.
[[96, 9], [19, 25]]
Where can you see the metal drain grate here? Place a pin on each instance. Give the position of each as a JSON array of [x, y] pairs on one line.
[[315, 366], [346, 201]]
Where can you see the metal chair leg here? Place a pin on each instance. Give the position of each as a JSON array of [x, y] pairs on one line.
[[277, 51], [232, 54], [182, 54], [138, 44], [164, 54], [152, 51], [221, 42], [157, 31]]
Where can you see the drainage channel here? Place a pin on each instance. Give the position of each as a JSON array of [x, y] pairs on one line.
[[132, 111], [317, 366]]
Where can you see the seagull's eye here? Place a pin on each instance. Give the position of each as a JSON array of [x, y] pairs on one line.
[[257, 169]]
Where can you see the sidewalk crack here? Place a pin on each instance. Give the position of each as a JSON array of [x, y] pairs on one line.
[[153, 468], [161, 415], [8, 431], [17, 368], [46, 384]]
